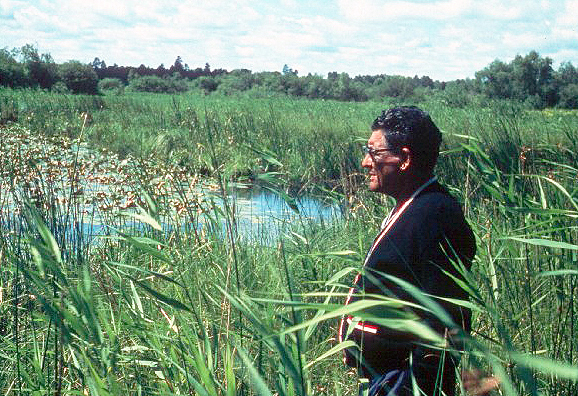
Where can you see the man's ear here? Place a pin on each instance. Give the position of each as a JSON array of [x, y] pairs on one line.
[[406, 159]]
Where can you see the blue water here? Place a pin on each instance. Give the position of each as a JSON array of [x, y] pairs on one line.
[[90, 206], [260, 216], [264, 216]]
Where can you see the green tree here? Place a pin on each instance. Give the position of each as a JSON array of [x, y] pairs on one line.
[[396, 87], [111, 85], [567, 81], [98, 64], [317, 87], [207, 83], [271, 81], [78, 77], [496, 80], [42, 71], [533, 77], [172, 84], [567, 74], [12, 73], [569, 97], [530, 79], [288, 70], [292, 85], [177, 67], [458, 93], [342, 90], [237, 80], [347, 89]]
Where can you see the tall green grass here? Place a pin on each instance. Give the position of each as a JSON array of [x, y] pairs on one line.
[[152, 309]]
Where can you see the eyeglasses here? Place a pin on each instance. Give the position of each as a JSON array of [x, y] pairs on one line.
[[373, 152]]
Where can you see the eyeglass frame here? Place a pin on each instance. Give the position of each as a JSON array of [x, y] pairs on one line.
[[373, 152]]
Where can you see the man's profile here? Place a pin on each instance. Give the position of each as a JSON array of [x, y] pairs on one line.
[[424, 241]]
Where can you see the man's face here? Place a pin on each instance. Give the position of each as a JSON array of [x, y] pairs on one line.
[[383, 167]]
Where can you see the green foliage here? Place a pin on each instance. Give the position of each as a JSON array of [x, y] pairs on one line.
[[42, 71], [495, 80], [33, 70], [567, 74], [531, 76], [157, 84], [12, 73], [236, 81], [208, 84], [569, 97], [529, 79], [60, 88], [78, 77], [458, 94], [170, 305], [111, 85]]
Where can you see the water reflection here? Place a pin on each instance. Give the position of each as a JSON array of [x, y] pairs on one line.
[[263, 215]]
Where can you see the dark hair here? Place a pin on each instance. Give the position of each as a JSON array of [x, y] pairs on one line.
[[413, 128]]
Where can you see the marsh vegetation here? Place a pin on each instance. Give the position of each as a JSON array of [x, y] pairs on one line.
[[160, 304]]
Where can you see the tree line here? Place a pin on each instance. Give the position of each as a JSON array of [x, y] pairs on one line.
[[530, 79]]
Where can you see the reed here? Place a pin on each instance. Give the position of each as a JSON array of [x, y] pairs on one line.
[[170, 301]]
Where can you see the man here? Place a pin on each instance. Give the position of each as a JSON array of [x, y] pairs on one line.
[[424, 241]]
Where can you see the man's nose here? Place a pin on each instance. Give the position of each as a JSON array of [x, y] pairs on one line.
[[366, 161]]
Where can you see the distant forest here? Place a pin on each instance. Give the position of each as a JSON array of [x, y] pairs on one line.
[[529, 79]]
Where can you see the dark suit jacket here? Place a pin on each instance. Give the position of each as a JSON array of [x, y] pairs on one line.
[[431, 236]]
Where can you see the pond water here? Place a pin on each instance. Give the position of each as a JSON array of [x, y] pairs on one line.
[[263, 215], [259, 215], [94, 190]]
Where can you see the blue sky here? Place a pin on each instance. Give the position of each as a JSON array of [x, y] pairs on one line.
[[444, 39]]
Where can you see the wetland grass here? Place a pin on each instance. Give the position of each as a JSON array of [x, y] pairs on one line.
[[157, 309]]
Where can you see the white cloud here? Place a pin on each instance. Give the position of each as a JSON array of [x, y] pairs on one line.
[[570, 15], [245, 51], [416, 42], [215, 13], [386, 38], [360, 10], [398, 10], [284, 35], [483, 48], [32, 22], [215, 48], [563, 55], [8, 6], [545, 4], [566, 34], [497, 9], [388, 59], [282, 40], [444, 39], [291, 4], [87, 9], [327, 26], [523, 40], [375, 10]]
